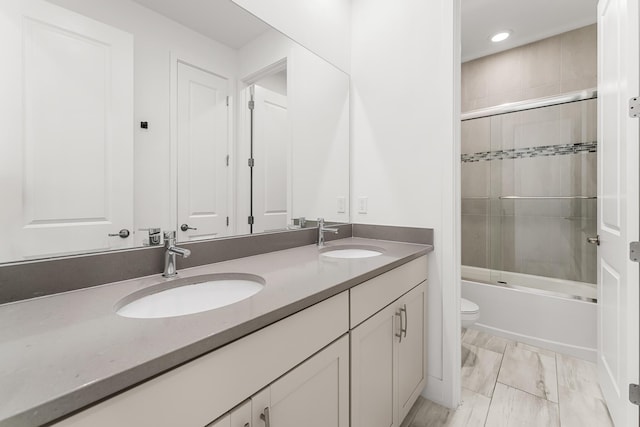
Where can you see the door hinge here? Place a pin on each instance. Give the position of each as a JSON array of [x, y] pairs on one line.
[[634, 251], [252, 104], [227, 221], [634, 394], [227, 101], [227, 160], [634, 107], [250, 220], [252, 162]]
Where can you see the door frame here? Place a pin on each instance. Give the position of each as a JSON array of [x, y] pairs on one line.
[[242, 150]]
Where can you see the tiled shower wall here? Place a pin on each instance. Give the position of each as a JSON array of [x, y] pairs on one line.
[[544, 152], [559, 64]]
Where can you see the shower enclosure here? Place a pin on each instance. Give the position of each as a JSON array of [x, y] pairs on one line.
[[529, 195]]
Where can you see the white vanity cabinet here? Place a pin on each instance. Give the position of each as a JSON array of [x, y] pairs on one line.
[[355, 359], [388, 349], [239, 417], [222, 422], [194, 394], [412, 356], [315, 394]]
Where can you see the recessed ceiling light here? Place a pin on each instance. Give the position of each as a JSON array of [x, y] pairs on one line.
[[501, 36]]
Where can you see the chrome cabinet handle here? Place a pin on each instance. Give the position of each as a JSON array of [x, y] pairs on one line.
[[399, 334], [403, 325], [406, 319], [594, 240], [185, 227], [123, 234], [264, 416]]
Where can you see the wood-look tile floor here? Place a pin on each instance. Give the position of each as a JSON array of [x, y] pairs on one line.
[[507, 383]]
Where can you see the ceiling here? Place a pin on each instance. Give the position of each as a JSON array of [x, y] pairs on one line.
[[529, 20], [220, 20]]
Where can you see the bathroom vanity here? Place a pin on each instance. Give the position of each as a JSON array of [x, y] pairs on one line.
[[324, 333]]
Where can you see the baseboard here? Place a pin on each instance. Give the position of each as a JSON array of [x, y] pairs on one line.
[[585, 353]]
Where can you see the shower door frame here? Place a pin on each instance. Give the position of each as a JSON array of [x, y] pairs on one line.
[[527, 105]]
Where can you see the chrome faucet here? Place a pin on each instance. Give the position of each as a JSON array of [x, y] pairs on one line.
[[171, 252], [322, 229]]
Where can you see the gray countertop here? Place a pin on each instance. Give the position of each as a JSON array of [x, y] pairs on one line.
[[63, 352]]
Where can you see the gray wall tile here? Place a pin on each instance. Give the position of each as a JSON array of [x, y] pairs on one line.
[[475, 232], [558, 64], [579, 58]]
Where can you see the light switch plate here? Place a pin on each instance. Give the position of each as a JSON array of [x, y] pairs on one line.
[[363, 203], [342, 203]]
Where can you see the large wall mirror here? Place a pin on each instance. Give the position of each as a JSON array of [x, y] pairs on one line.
[[123, 117]]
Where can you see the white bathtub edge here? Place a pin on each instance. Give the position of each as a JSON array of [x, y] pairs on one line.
[[562, 325]]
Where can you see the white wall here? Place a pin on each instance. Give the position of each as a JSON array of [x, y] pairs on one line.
[[275, 82], [318, 100], [405, 147], [319, 111], [320, 25], [155, 38]]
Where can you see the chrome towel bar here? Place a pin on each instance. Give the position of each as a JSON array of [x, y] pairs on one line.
[[547, 197]]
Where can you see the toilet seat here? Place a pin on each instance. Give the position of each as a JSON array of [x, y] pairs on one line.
[[468, 307], [469, 312]]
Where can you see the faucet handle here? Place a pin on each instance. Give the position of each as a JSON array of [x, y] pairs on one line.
[[301, 222], [154, 235], [151, 230], [168, 235]]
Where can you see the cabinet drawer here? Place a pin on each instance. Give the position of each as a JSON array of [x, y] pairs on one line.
[[204, 389], [373, 295]]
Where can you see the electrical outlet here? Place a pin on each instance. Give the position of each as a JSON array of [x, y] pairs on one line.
[[342, 203], [363, 203]]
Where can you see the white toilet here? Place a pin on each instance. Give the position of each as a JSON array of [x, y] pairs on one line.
[[469, 312]]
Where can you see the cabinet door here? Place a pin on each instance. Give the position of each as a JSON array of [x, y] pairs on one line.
[[411, 350], [241, 416], [221, 422], [316, 393], [260, 407], [373, 361]]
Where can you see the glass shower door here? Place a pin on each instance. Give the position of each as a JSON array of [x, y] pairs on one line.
[[538, 176], [476, 202]]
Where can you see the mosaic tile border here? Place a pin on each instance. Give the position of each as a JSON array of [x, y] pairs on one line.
[[524, 153]]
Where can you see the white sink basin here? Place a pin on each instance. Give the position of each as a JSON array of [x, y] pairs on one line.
[[351, 252], [192, 295]]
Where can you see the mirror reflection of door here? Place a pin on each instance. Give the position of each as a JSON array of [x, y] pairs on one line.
[[271, 154], [66, 158], [203, 146], [90, 115]]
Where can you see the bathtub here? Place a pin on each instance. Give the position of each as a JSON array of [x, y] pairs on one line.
[[535, 310]]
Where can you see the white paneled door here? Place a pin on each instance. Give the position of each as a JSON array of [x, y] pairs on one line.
[[203, 145], [272, 154], [618, 213], [66, 153]]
